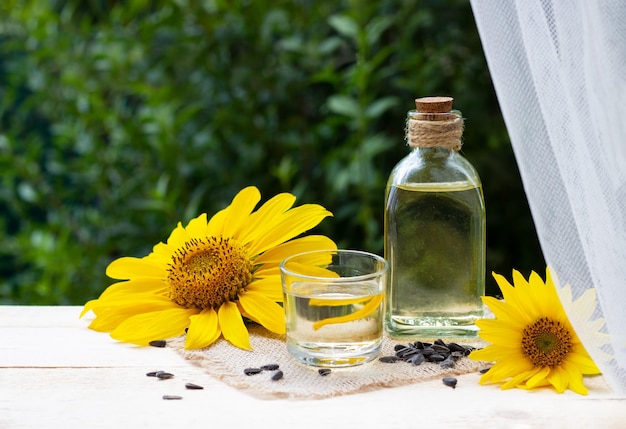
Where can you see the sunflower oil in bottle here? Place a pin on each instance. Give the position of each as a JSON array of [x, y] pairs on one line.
[[434, 230]]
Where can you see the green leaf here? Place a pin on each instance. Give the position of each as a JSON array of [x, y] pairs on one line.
[[344, 105], [344, 25], [380, 106]]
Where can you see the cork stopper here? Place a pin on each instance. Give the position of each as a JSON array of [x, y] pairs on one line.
[[434, 104], [434, 108]]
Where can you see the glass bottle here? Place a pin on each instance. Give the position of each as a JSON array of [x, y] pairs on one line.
[[434, 230]]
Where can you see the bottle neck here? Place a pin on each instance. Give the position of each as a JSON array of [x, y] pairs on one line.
[[434, 130]]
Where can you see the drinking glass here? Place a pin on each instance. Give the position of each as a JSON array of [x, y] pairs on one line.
[[333, 302]]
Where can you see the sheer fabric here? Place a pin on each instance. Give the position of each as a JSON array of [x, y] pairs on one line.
[[559, 70]]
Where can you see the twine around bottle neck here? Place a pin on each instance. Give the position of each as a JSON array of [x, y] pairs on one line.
[[426, 133]]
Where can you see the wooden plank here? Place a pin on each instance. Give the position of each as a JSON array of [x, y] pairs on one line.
[[54, 372], [125, 397]]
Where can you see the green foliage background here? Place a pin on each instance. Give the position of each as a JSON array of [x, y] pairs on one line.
[[120, 118]]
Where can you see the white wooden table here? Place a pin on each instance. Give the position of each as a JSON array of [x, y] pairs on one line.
[[56, 373]]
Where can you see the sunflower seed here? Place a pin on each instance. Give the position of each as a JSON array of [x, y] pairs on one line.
[[450, 381], [388, 359], [323, 371], [436, 358], [192, 386], [277, 375], [484, 370], [456, 347], [171, 397], [252, 371], [158, 343], [427, 351], [440, 349], [270, 367], [447, 362], [152, 373], [164, 375], [407, 352], [417, 359]]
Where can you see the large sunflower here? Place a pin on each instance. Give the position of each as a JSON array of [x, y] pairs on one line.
[[209, 275], [533, 343]]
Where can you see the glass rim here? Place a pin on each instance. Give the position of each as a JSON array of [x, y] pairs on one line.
[[377, 258]]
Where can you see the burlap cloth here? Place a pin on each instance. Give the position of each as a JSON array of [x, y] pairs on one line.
[[226, 362]]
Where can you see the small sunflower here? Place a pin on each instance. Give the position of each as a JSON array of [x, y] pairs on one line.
[[209, 275], [533, 343]]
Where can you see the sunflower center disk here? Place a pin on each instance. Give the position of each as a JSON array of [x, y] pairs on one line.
[[546, 342], [207, 272]]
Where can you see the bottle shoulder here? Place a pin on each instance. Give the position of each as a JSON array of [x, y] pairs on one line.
[[434, 167]]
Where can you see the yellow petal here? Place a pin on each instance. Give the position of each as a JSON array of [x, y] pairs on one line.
[[266, 271], [157, 325], [268, 286], [520, 378], [303, 244], [203, 330], [539, 377], [144, 285], [239, 210], [309, 270], [196, 228], [505, 356], [506, 312], [579, 357], [495, 332], [266, 217], [216, 224], [367, 309], [263, 311], [559, 378], [576, 385], [178, 237], [233, 328], [500, 372], [292, 223], [337, 302], [125, 306], [128, 267]]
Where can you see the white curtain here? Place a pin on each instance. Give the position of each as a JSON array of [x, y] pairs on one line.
[[559, 70]]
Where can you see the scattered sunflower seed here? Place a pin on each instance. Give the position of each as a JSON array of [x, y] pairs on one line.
[[450, 381], [270, 367], [192, 386], [164, 375], [171, 397], [388, 359], [158, 343], [152, 373], [252, 371], [277, 375], [484, 370], [323, 371]]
